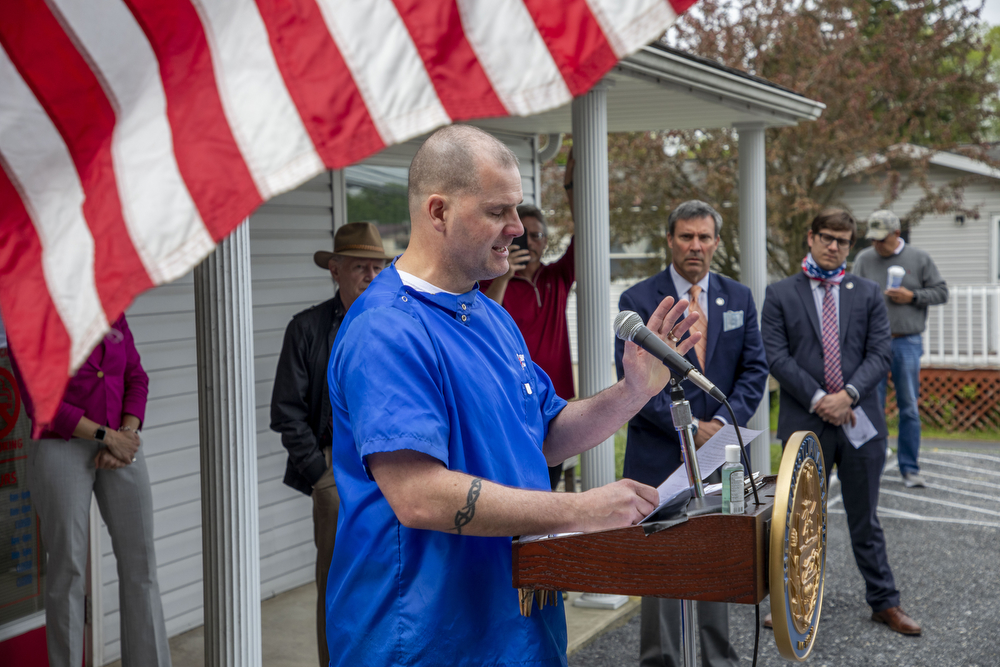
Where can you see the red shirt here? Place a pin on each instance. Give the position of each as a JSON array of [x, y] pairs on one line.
[[539, 310]]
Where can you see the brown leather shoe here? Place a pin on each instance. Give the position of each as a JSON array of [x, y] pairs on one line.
[[897, 620], [767, 622]]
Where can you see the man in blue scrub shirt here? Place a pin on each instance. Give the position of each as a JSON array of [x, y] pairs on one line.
[[443, 427]]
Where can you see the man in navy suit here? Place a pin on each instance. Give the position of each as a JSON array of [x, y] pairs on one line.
[[826, 333], [731, 355]]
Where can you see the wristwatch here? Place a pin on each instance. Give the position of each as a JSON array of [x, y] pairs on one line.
[[100, 433], [853, 393], [694, 428]]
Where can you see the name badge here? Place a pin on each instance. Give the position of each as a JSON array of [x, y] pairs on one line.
[[732, 319]]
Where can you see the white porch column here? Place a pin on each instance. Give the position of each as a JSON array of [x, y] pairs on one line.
[[229, 510], [593, 286], [593, 268], [753, 258]]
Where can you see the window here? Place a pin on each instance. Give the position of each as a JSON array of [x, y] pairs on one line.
[[378, 195]]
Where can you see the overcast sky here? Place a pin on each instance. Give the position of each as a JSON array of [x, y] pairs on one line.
[[991, 12]]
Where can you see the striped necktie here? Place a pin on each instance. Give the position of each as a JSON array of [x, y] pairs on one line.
[[701, 325], [832, 373]]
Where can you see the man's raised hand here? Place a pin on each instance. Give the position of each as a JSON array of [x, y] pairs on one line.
[[646, 374]]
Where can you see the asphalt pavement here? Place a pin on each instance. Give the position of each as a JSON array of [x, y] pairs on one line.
[[944, 549]]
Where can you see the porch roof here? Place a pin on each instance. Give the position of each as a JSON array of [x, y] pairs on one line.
[[662, 88]]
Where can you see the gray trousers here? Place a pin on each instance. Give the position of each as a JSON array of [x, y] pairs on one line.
[[660, 634], [326, 505], [61, 478]]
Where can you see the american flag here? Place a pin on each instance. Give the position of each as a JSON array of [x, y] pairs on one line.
[[136, 134]]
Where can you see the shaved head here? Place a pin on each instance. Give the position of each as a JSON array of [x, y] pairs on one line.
[[448, 163]]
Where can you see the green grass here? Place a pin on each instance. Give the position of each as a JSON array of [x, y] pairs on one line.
[[893, 426], [620, 438]]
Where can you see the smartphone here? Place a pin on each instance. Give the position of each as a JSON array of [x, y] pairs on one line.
[[521, 241]]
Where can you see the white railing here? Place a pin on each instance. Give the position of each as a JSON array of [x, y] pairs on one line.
[[966, 330]]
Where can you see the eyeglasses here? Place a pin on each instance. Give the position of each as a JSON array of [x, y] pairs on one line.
[[537, 236], [826, 240]]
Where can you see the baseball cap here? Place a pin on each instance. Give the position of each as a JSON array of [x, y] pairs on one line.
[[881, 224]]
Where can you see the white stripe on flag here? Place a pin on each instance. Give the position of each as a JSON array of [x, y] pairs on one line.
[[163, 222], [525, 78], [53, 196], [631, 24], [264, 120], [386, 67]]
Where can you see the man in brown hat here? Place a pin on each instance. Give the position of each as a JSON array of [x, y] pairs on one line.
[[300, 403]]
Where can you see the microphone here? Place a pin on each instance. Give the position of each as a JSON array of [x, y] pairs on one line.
[[629, 326]]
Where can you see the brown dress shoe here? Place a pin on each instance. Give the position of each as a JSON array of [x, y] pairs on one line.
[[897, 620], [767, 621]]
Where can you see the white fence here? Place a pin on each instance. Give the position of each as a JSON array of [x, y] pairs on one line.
[[966, 330]]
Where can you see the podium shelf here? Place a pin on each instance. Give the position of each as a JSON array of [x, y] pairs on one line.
[[714, 557]]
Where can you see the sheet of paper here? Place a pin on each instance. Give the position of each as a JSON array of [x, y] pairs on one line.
[[711, 456], [862, 431]]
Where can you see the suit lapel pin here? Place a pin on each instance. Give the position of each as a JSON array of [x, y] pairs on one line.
[[720, 301], [849, 285]]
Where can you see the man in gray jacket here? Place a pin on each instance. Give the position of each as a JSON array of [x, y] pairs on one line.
[[907, 303]]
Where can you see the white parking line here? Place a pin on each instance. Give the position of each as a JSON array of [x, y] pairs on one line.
[[935, 501], [968, 455], [955, 466], [952, 478], [895, 514], [971, 494]]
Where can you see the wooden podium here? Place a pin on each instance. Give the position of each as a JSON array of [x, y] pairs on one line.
[[713, 557]]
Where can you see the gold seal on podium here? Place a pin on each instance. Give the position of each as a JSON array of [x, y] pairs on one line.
[[797, 560]]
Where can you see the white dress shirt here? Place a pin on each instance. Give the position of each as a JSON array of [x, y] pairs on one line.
[[683, 287], [819, 293]]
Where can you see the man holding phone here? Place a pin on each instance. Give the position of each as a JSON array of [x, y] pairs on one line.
[[535, 295]]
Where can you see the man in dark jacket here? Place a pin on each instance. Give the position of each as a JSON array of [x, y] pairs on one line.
[[731, 355], [300, 402], [826, 334]]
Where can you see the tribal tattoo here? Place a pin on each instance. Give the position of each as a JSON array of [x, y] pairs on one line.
[[464, 515]]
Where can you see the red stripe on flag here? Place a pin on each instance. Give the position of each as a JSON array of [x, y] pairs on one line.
[[575, 40], [207, 155], [458, 78], [681, 6], [319, 82], [75, 102], [36, 332]]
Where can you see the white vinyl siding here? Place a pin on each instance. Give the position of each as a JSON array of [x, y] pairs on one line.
[[284, 234], [961, 252], [523, 147]]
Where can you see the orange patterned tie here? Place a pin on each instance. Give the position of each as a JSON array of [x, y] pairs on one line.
[[701, 325]]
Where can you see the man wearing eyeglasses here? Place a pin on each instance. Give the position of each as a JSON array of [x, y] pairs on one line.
[[535, 295], [826, 334]]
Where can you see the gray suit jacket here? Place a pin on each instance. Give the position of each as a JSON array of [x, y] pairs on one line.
[[793, 342]]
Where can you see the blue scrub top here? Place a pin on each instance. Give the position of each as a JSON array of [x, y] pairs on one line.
[[449, 376]]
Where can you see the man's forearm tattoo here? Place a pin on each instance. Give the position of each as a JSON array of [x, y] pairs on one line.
[[464, 515]]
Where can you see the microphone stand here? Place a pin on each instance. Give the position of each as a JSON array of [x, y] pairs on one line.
[[680, 413]]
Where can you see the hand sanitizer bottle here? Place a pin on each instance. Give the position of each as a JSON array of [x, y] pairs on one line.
[[733, 501]]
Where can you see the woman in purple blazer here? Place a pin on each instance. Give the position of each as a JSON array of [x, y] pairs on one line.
[[93, 446]]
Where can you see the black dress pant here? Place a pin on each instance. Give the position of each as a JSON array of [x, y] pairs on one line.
[[860, 472]]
